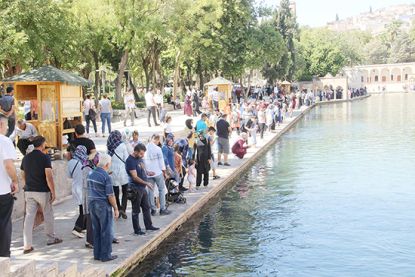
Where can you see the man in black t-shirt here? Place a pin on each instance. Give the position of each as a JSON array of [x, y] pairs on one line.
[[39, 191], [81, 139], [137, 175], [223, 129]]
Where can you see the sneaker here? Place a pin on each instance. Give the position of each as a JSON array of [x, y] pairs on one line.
[[226, 164], [165, 212], [77, 234], [220, 163]]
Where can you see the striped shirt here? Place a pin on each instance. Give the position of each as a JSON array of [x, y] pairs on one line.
[[99, 185]]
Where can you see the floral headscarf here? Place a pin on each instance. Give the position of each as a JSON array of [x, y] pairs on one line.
[[80, 154], [114, 140]]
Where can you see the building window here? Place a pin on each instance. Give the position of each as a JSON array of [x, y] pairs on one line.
[[406, 77], [362, 79], [376, 78], [392, 77]]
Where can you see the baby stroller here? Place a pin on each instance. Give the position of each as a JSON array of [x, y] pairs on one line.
[[174, 194]]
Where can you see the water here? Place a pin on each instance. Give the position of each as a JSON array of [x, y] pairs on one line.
[[335, 197]]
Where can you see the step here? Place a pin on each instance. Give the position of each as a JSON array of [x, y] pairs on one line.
[[5, 266], [22, 268], [68, 269], [46, 269]]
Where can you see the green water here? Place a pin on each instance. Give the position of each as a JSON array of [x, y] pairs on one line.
[[334, 197]]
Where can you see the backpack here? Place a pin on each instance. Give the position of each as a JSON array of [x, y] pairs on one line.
[[92, 114]]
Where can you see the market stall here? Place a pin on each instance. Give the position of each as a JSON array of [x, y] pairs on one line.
[[286, 87], [50, 99], [224, 88]]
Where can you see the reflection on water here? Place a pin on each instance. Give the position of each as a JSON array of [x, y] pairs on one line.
[[335, 197]]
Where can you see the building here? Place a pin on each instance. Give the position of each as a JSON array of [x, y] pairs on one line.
[[375, 22]]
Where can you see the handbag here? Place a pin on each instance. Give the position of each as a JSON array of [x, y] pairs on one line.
[[131, 193]]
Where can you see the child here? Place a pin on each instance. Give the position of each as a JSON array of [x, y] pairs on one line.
[[135, 140], [178, 162], [167, 126], [191, 175], [212, 140]]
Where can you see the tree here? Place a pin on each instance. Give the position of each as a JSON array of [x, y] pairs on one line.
[[95, 27], [287, 26]]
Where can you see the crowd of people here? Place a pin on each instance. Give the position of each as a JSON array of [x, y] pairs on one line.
[[132, 169]]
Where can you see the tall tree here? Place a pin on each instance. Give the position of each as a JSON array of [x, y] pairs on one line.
[[286, 24]]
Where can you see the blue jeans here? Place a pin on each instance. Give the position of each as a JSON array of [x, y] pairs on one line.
[[102, 226], [159, 181], [106, 117]]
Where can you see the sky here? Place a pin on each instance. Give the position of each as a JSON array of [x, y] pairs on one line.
[[317, 13]]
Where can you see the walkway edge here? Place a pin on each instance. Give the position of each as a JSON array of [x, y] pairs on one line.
[[128, 264]]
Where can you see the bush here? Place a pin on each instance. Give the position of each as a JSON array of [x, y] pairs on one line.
[[118, 105]]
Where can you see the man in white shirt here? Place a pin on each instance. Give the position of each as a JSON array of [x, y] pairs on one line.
[[158, 99], [129, 103], [151, 107], [154, 163], [8, 187], [106, 109], [26, 132], [215, 99]]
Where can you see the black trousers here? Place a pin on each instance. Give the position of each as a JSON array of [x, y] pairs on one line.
[[262, 127], [199, 179], [123, 205], [80, 223], [11, 124], [22, 144], [151, 111], [89, 231], [141, 200], [6, 209], [88, 119]]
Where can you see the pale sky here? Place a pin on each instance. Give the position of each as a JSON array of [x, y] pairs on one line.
[[318, 12]]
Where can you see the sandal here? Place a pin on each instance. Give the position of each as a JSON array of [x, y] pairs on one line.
[[27, 251], [55, 241]]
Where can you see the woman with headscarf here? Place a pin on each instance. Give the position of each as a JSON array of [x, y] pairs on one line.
[[202, 158], [188, 104], [74, 171], [118, 151], [240, 147]]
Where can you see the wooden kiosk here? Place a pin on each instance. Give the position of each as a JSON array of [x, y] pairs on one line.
[[224, 87], [286, 86], [50, 99]]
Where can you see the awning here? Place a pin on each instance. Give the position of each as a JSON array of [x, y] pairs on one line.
[[49, 74]]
